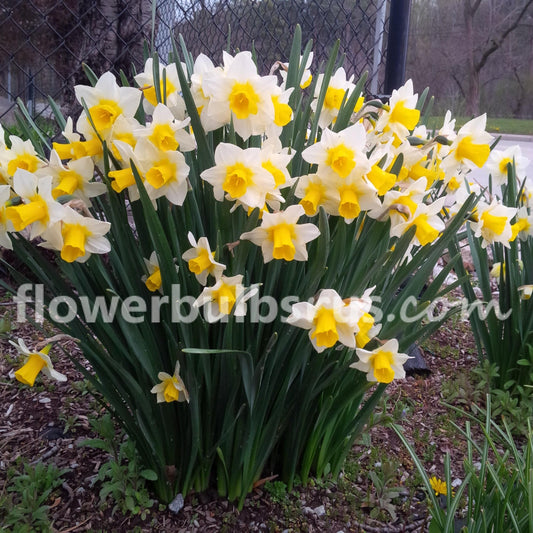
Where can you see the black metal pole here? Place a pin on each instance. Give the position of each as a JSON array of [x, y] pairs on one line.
[[397, 44]]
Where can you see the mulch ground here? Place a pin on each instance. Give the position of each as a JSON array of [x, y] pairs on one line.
[[46, 424]]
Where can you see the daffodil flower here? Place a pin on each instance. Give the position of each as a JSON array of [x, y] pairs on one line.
[[338, 87], [153, 280], [494, 223], [471, 146], [238, 94], [329, 320], [74, 179], [313, 193], [228, 295], [77, 236], [201, 260], [75, 148], [282, 112], [525, 291], [38, 208], [500, 159], [35, 363], [5, 225], [426, 220], [106, 101], [204, 68], [400, 205], [382, 180], [168, 89], [307, 77], [171, 388], [281, 237], [382, 364], [21, 155], [124, 129], [496, 270], [523, 226], [340, 154], [164, 172], [238, 175], [166, 133], [367, 329], [352, 196], [402, 115]]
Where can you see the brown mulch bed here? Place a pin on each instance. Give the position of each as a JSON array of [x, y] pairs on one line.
[[47, 423]]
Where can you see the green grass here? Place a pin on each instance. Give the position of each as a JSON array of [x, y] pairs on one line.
[[495, 125]]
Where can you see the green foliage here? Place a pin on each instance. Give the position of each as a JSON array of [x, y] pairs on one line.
[[277, 491], [6, 326], [261, 399], [24, 507], [497, 491], [46, 128], [122, 479], [514, 403], [380, 497], [503, 338]]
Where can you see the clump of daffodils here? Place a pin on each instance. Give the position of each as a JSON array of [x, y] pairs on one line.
[[382, 165]]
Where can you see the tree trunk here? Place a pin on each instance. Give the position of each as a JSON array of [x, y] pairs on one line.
[[113, 33], [107, 35], [472, 95]]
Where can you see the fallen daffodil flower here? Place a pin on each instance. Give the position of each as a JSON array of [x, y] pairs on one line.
[[35, 363]]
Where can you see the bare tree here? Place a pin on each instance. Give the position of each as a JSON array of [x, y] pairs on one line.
[[474, 54], [504, 22]]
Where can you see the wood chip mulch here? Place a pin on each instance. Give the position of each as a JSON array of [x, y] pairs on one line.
[[47, 422]]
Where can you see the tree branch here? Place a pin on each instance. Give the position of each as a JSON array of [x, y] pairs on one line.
[[458, 81], [475, 6], [498, 41]]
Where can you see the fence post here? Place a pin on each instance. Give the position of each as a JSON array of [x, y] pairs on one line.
[[379, 29], [397, 44], [9, 89], [31, 94]]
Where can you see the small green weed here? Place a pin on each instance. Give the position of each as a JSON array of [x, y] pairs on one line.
[[25, 506], [514, 401], [277, 491], [121, 477], [380, 499], [6, 325]]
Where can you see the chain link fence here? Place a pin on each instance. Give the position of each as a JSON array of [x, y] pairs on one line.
[[44, 42]]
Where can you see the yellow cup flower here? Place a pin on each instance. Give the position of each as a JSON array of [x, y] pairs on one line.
[[281, 237], [154, 281], [27, 373], [69, 182], [383, 364], [35, 363], [325, 332], [170, 388], [329, 320], [25, 214], [201, 260], [27, 162], [228, 295]]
